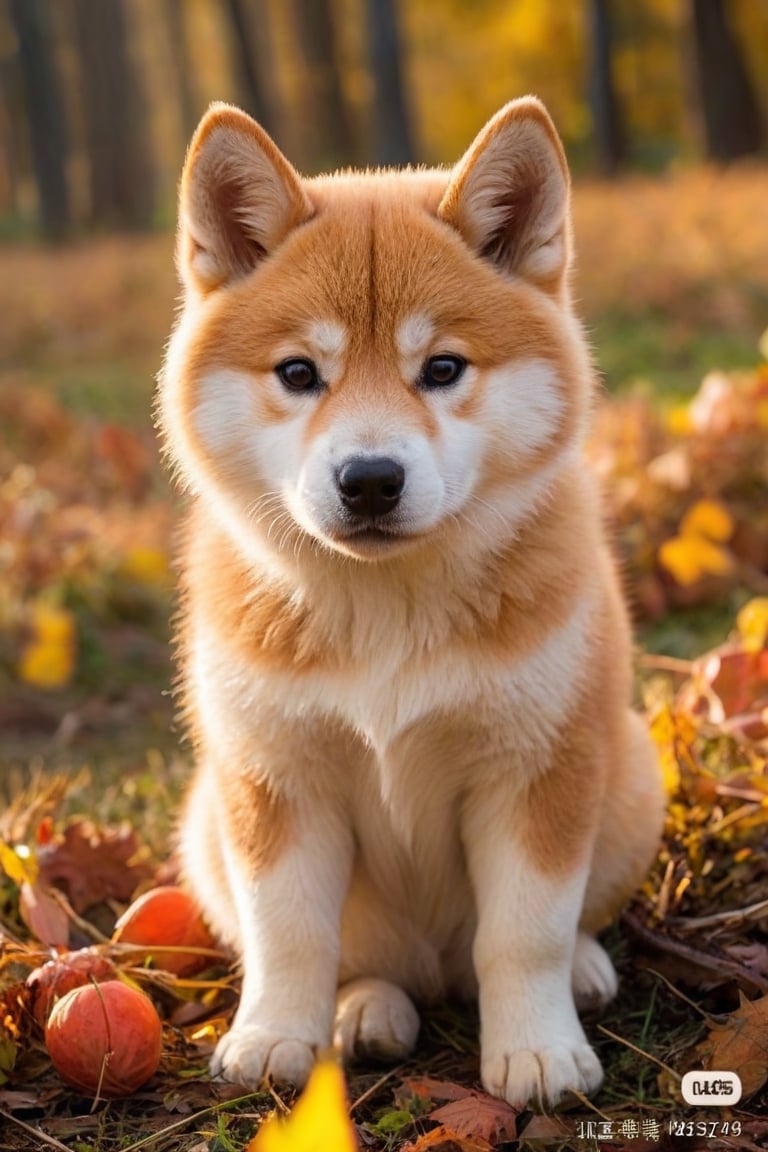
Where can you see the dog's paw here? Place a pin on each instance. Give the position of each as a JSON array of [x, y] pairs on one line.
[[542, 1077], [594, 979], [248, 1056], [375, 1019]]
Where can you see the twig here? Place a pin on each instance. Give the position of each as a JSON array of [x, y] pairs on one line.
[[628, 1044], [38, 1133], [681, 995], [732, 916], [222, 1106], [375, 1087], [664, 943], [587, 1103]]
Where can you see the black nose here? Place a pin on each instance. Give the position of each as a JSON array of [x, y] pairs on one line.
[[370, 485]]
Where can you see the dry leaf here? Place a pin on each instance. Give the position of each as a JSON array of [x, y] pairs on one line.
[[741, 1045], [431, 1089], [479, 1115], [443, 1139], [93, 863], [43, 915], [319, 1121]]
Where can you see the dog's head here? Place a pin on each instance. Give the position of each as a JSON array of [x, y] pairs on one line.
[[374, 360]]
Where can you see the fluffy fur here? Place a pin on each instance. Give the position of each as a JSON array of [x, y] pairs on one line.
[[417, 770]]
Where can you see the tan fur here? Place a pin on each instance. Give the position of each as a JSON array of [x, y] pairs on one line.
[[418, 772]]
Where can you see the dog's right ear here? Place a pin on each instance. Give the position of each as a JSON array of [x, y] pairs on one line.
[[239, 198]]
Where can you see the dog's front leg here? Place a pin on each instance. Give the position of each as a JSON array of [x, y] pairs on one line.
[[288, 908], [533, 1047]]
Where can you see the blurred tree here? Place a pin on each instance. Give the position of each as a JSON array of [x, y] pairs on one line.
[[184, 77], [253, 95], [393, 138], [608, 134], [121, 175], [330, 140], [32, 20], [733, 124]]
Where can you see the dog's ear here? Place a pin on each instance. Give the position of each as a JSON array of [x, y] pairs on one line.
[[239, 198], [509, 194]]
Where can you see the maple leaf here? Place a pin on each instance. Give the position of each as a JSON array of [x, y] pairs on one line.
[[93, 863], [479, 1115], [741, 1044], [444, 1139]]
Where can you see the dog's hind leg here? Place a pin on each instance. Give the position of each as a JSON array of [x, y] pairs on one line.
[[375, 1019]]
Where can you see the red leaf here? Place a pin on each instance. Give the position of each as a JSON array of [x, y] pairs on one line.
[[430, 1089], [93, 864], [44, 917], [479, 1115]]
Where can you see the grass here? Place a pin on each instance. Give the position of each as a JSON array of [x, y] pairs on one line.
[[672, 281]]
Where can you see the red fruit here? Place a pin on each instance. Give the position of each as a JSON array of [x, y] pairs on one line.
[[162, 917], [104, 1039], [54, 979]]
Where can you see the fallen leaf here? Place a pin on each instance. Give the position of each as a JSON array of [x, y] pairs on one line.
[[93, 863], [443, 1139], [318, 1123], [432, 1089], [43, 915], [545, 1128], [741, 1045], [479, 1115], [689, 558], [708, 518], [752, 624]]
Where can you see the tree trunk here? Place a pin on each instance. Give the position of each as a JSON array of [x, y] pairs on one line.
[[44, 112], [253, 94], [121, 171], [329, 137], [183, 75], [609, 140], [393, 140], [733, 124]]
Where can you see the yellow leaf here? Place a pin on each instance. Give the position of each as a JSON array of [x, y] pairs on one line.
[[679, 421], [663, 734], [146, 566], [752, 624], [708, 518], [19, 863], [689, 558], [318, 1123], [52, 625], [45, 664]]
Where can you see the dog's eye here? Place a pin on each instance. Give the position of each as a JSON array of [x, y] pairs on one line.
[[299, 375], [441, 371]]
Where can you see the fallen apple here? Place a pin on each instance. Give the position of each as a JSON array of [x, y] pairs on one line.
[[104, 1039], [56, 977], [166, 919]]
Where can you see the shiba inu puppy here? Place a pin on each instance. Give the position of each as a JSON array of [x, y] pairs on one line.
[[404, 653]]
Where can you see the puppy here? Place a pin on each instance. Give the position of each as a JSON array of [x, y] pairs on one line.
[[404, 654]]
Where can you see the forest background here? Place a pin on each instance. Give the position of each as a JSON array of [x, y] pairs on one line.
[[663, 107]]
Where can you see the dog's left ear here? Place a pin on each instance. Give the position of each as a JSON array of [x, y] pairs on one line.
[[509, 194]]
